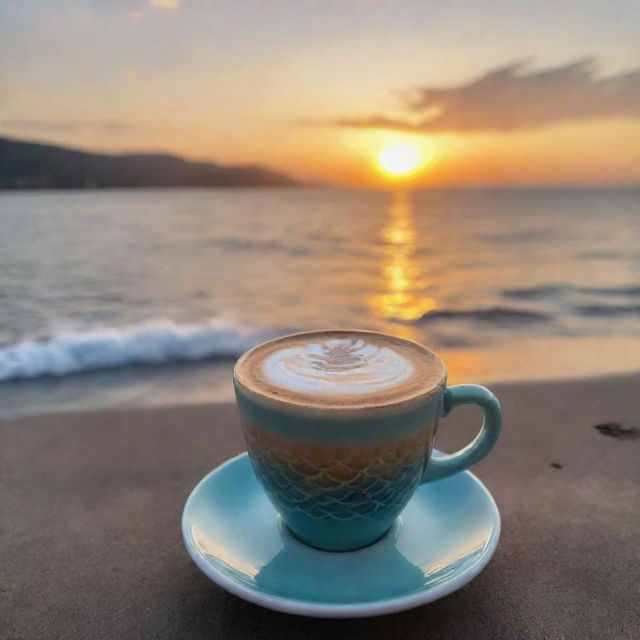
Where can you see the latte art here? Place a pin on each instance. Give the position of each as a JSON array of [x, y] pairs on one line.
[[337, 366], [341, 370]]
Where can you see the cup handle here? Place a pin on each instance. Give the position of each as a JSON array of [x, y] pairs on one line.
[[447, 465]]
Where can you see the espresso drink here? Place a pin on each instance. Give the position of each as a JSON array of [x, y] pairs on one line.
[[339, 369], [339, 427]]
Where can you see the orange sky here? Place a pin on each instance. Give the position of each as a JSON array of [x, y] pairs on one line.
[[262, 82]]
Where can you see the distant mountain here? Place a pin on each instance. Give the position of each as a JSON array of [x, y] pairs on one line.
[[28, 165]]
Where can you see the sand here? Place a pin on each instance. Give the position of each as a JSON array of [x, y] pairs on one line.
[[91, 544]]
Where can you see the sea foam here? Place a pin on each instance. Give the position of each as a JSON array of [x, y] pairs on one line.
[[153, 342]]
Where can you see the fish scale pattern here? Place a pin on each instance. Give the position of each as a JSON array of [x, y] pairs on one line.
[[337, 482]]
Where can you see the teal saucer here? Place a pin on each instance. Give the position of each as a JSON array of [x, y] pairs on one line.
[[444, 537]]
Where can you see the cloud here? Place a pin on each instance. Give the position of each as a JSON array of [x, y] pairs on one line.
[[509, 98], [165, 4], [70, 126]]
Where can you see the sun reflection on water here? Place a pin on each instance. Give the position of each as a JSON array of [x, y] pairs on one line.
[[403, 299]]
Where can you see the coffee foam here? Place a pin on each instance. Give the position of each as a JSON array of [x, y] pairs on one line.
[[336, 367], [358, 369]]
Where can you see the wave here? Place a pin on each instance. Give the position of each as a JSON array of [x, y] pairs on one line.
[[153, 342], [526, 236], [533, 293], [607, 310], [553, 291], [625, 290], [245, 244], [491, 314]]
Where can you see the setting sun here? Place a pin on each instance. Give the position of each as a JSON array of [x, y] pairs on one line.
[[400, 160]]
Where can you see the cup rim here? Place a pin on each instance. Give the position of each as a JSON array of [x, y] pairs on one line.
[[299, 407]]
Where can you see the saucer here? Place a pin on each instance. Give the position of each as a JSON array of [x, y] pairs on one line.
[[443, 539]]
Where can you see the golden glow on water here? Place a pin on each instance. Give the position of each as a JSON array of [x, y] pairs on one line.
[[403, 298], [466, 365]]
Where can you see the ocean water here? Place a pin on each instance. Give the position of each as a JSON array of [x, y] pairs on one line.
[[145, 297]]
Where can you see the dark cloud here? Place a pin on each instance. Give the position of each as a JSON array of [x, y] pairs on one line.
[[70, 126], [510, 98]]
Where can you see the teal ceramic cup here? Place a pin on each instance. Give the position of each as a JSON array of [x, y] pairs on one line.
[[340, 477]]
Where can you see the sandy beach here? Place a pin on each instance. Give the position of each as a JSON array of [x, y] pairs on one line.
[[92, 547]]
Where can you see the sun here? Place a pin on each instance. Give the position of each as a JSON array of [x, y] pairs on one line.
[[399, 161]]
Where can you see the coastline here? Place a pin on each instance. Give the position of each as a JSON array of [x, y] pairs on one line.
[[627, 387], [160, 324], [181, 385]]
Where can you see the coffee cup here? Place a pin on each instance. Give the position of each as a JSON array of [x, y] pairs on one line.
[[340, 426]]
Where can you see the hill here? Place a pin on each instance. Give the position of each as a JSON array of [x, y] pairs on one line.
[[29, 165]]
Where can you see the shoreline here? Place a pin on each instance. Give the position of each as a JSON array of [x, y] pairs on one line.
[[509, 386]]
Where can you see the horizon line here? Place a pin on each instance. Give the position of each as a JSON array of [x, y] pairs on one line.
[[310, 184]]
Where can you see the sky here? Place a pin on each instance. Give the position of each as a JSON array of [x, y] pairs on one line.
[[491, 92]]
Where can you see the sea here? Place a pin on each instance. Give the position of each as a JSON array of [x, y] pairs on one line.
[[127, 298]]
